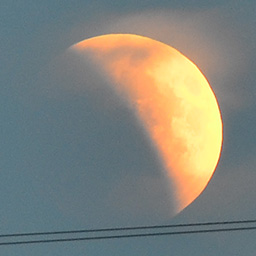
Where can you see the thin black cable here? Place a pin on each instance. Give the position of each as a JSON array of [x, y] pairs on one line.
[[126, 236], [128, 228]]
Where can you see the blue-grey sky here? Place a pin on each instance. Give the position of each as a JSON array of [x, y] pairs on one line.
[[74, 158]]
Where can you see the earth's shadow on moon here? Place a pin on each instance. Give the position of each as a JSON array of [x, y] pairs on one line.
[[105, 169]]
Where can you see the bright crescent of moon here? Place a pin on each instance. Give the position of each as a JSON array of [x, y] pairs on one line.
[[174, 101]]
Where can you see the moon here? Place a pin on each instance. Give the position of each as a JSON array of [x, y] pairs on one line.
[[173, 101]]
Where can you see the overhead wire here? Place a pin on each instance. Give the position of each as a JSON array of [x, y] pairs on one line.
[[129, 228], [133, 235]]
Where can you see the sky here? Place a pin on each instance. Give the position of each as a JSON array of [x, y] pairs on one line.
[[73, 158]]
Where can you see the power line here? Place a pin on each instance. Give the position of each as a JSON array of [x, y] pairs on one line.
[[187, 232], [198, 224]]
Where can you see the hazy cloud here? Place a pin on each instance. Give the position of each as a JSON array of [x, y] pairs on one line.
[[208, 37]]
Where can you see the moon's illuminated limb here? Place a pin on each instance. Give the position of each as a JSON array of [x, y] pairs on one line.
[[174, 101]]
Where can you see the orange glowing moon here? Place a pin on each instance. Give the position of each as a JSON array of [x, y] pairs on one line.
[[172, 99]]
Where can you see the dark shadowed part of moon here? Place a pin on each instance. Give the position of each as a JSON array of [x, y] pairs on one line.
[[100, 164]]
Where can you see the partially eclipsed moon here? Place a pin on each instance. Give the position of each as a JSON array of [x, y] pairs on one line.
[[172, 99]]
